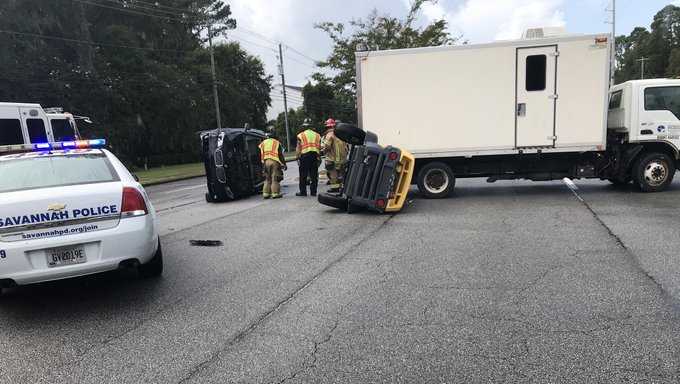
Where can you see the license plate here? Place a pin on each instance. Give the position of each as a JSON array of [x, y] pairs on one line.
[[57, 257]]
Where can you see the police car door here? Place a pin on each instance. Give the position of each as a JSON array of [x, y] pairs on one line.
[[36, 125]]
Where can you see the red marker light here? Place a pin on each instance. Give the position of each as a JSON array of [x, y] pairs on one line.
[[380, 203], [392, 156]]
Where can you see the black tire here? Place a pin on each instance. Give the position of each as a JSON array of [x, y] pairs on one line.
[[350, 134], [436, 181], [335, 201], [154, 267], [209, 198], [653, 172]]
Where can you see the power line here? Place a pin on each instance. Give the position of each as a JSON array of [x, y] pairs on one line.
[[265, 38], [133, 12], [302, 54], [152, 6], [92, 43]]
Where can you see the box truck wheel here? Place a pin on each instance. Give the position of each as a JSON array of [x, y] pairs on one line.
[[653, 172], [436, 180]]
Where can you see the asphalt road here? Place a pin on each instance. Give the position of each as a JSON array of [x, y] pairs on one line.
[[505, 282]]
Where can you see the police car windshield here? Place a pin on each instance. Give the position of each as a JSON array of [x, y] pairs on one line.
[[32, 172]]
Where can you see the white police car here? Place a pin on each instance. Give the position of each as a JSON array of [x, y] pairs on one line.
[[71, 209]]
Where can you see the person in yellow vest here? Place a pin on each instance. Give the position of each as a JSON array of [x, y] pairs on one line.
[[336, 155], [308, 152], [271, 155]]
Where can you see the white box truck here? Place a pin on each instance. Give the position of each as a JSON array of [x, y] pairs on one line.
[[537, 109]]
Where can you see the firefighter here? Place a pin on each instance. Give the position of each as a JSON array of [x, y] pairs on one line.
[[271, 155], [336, 156], [308, 152]]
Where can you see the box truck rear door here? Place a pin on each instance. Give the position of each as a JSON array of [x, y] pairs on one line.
[[536, 97]]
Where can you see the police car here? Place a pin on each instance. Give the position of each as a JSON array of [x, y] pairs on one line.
[[70, 209]]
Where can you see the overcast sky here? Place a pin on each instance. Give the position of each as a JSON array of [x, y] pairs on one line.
[[263, 23]]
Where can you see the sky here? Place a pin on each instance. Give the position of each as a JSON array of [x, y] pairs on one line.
[[262, 24]]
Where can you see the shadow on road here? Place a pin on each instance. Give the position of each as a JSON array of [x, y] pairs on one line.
[[103, 294]]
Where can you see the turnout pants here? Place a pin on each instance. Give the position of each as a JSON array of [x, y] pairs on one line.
[[335, 173], [272, 171], [309, 168]]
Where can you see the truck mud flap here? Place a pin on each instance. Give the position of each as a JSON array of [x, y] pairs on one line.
[[332, 200]]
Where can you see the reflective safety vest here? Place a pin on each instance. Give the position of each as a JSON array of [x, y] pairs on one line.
[[310, 141], [269, 150]]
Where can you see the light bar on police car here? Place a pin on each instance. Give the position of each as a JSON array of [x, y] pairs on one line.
[[59, 145]]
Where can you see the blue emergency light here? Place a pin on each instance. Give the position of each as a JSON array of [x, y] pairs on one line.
[[63, 145]]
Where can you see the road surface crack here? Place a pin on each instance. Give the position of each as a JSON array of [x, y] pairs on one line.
[[265, 316], [620, 243]]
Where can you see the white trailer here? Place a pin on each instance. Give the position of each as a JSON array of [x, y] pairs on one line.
[[531, 108]]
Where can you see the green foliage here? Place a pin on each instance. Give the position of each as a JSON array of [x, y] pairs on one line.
[[142, 74], [660, 46]]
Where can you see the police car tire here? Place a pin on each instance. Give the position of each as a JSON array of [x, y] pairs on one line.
[[641, 166], [429, 192], [339, 202], [154, 267]]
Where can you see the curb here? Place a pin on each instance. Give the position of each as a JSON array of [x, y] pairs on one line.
[[152, 183]]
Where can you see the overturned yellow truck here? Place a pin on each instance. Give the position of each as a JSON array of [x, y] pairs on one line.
[[377, 178]]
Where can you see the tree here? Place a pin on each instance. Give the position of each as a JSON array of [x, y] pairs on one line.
[[140, 71], [376, 32], [659, 46]]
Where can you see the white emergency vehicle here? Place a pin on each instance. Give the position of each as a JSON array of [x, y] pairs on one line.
[[70, 209], [25, 123]]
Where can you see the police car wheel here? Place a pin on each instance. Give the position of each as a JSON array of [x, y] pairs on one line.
[[436, 180], [654, 172], [154, 267]]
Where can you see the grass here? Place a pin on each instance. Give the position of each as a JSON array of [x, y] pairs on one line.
[[170, 173]]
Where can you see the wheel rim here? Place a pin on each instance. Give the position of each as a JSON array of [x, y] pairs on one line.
[[436, 181], [656, 173]]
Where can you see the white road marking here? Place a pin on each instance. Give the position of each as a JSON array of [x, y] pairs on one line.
[[574, 189], [185, 188]]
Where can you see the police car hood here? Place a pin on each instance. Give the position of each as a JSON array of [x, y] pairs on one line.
[[39, 209]]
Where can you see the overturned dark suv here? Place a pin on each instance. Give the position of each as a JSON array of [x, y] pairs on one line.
[[231, 157]]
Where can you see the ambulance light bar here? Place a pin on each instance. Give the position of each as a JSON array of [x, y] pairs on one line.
[[60, 145]]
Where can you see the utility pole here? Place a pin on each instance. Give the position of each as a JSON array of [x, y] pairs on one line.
[[642, 64], [214, 78], [285, 100], [612, 56]]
